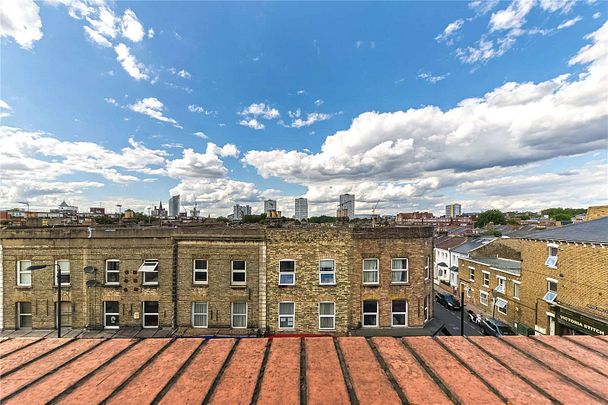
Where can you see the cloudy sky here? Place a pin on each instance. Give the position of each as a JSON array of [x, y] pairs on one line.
[[408, 105]]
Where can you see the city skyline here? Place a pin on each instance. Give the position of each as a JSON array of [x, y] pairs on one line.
[[492, 105]]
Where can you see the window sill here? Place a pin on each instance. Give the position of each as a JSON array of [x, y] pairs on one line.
[[149, 286], [200, 284], [552, 267], [112, 285], [23, 287], [327, 284], [238, 286], [400, 283]]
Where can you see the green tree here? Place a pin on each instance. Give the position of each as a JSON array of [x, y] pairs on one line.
[[494, 216], [321, 219]]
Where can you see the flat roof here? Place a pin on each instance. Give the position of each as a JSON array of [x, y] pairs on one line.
[[292, 370], [506, 265]]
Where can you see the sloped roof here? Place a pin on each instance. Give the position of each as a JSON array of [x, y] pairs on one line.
[[509, 266], [595, 231], [450, 242], [313, 370], [472, 245]]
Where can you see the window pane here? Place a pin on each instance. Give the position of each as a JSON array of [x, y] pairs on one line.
[[327, 278], [25, 321], [399, 276], [200, 320], [326, 265], [239, 308], [286, 278], [370, 276], [326, 308], [399, 306], [200, 307], [399, 264], [25, 307], [326, 323], [113, 277], [112, 320], [113, 266], [151, 277], [111, 307], [151, 320], [238, 265], [286, 321], [286, 308], [200, 264], [151, 307], [238, 321], [370, 306], [238, 277], [399, 319], [200, 276], [287, 265], [369, 319], [25, 278], [370, 264]]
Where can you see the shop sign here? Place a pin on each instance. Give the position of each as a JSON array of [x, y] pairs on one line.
[[581, 323]]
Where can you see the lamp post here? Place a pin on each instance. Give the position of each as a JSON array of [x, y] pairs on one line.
[[58, 268]]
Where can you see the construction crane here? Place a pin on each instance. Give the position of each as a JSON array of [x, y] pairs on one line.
[[374, 217]]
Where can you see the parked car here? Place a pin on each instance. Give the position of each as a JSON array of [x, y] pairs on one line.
[[493, 327], [448, 301]]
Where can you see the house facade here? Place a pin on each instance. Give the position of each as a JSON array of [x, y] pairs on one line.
[[247, 280]]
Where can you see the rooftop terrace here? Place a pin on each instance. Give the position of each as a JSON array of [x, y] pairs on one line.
[[381, 370]]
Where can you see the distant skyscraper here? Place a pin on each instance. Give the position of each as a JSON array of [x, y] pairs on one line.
[[174, 206], [453, 210], [239, 211], [270, 205], [347, 202], [301, 209]]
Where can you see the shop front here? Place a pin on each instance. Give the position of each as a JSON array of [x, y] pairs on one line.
[[572, 322]]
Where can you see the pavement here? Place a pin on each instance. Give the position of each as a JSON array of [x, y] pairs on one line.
[[451, 319]]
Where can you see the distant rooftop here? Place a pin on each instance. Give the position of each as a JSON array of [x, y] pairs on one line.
[[420, 370], [450, 242], [509, 266], [595, 231], [465, 248]]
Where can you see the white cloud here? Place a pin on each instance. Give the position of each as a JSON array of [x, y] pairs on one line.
[[319, 102], [130, 27], [106, 24], [423, 150], [184, 74], [5, 109], [365, 44], [511, 17], [294, 114], [208, 165], [151, 33], [429, 77], [569, 23], [172, 145], [301, 92], [20, 19], [482, 7], [450, 31], [596, 15], [552, 6], [178, 87], [152, 107], [261, 110], [96, 37], [311, 118], [200, 110], [201, 135], [111, 100], [135, 69], [252, 123]]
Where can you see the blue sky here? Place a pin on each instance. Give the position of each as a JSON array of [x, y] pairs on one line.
[[415, 105]]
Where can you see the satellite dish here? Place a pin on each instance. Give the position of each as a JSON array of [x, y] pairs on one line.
[[89, 269], [92, 283]]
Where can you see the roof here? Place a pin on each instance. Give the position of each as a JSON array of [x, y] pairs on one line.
[[595, 231], [473, 244], [506, 265], [450, 242], [386, 370]]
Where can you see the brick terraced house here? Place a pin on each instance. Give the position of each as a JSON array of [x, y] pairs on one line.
[[208, 279]]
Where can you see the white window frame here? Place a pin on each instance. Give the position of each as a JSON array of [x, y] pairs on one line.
[[106, 313], [195, 270], [505, 306], [323, 272], [483, 281], [406, 270], [363, 313], [20, 314], [204, 313], [426, 310], [66, 315], [501, 281], [292, 316], [232, 314], [481, 294], [233, 272], [399, 313], [293, 273], [427, 268], [471, 274], [333, 316], [112, 271], [144, 313], [551, 260], [517, 290], [143, 281], [21, 269], [63, 272], [549, 290], [376, 270]]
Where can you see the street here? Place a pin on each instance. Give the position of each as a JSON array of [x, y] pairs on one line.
[[451, 319]]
